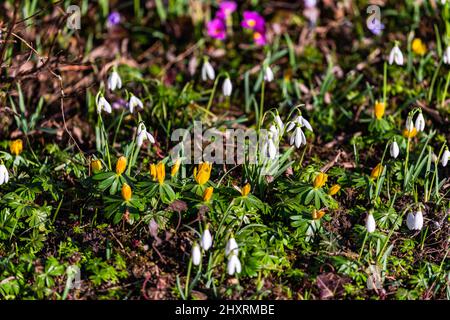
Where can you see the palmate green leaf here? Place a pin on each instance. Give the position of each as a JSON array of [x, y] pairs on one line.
[[166, 193], [103, 175]]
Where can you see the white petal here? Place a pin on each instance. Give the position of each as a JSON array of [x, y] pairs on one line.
[[268, 74], [227, 87], [410, 221], [231, 247], [298, 137], [420, 122], [394, 150], [150, 137], [391, 56], [206, 240], [2, 175], [279, 122], [306, 123], [234, 265], [290, 126], [208, 71], [272, 149], [196, 255], [370, 223], [445, 157], [418, 221], [140, 138]]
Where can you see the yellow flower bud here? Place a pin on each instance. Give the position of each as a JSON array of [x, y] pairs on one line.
[[96, 165], [153, 171], [121, 165], [410, 133], [334, 189], [320, 180], [175, 167], [16, 147], [246, 190], [317, 214], [208, 194], [126, 192], [376, 172], [161, 172], [419, 47], [203, 173], [380, 107]]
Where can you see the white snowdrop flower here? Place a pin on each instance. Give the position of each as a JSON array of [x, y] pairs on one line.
[[268, 74], [231, 247], [420, 122], [196, 254], [103, 104], [370, 223], [298, 137], [394, 149], [445, 157], [143, 134], [414, 221], [227, 87], [208, 71], [447, 55], [114, 81], [396, 56], [279, 123], [234, 265], [135, 102], [206, 240], [4, 174], [409, 125]]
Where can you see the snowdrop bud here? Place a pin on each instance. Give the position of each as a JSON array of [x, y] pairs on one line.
[[102, 104], [227, 87], [409, 125], [206, 240], [234, 265], [208, 71], [447, 55], [420, 122], [196, 254], [268, 74], [231, 247], [396, 56], [114, 81], [394, 150], [370, 223], [445, 157], [4, 175], [135, 102], [414, 221]]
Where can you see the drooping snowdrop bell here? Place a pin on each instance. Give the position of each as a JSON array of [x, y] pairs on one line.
[[114, 81], [234, 265], [268, 74], [420, 122], [414, 221], [103, 104], [445, 157], [394, 149], [4, 175], [396, 56], [208, 71], [196, 254], [231, 247], [135, 102], [206, 240], [227, 87], [143, 134], [370, 223]]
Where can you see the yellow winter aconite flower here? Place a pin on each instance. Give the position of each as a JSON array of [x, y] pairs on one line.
[[203, 173], [16, 147], [207, 194], [175, 167], [126, 192], [409, 133], [380, 107], [96, 165], [320, 180], [121, 165], [246, 190], [153, 171], [317, 214], [334, 189], [161, 172], [376, 172], [419, 47]]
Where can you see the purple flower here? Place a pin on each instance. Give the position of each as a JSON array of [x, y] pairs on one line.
[[259, 38], [113, 19], [226, 8], [253, 20], [216, 29], [376, 27]]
